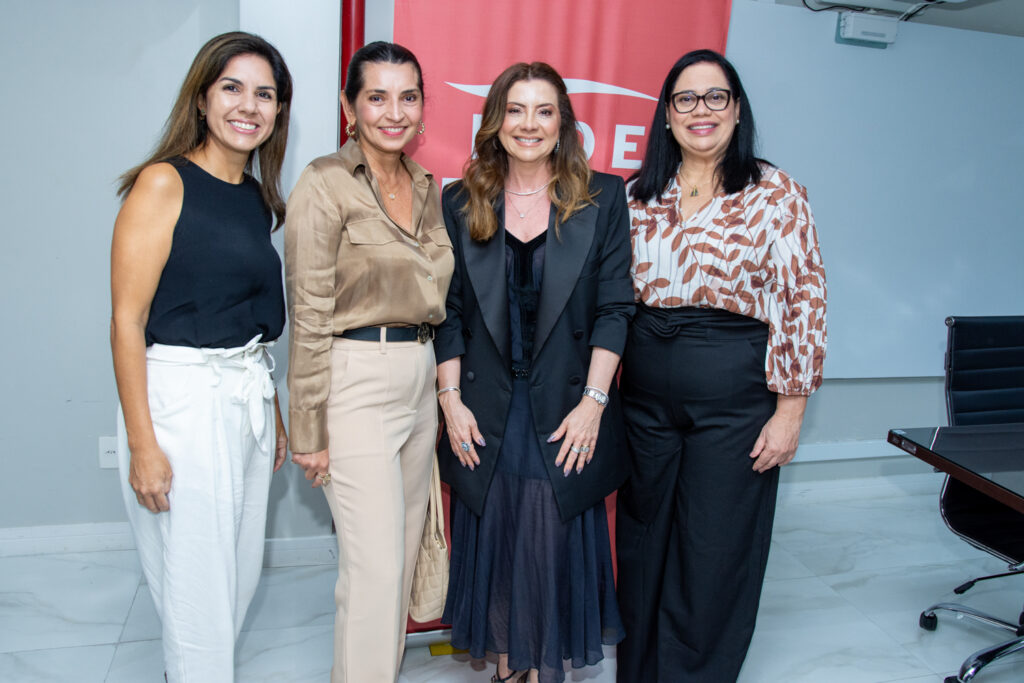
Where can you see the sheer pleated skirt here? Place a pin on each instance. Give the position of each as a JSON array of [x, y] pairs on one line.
[[522, 581]]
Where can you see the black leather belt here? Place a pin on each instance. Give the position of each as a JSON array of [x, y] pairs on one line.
[[423, 333]]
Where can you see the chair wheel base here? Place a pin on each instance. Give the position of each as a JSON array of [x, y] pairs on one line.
[[951, 679], [929, 622]]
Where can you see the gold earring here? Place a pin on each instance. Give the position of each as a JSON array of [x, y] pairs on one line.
[[350, 130], [423, 128]]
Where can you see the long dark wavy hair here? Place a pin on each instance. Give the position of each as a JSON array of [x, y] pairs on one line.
[[739, 166], [484, 176], [185, 131]]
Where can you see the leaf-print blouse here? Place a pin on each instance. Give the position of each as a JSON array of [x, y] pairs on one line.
[[755, 253]]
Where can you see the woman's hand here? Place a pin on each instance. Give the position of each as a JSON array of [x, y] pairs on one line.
[[581, 425], [462, 429], [580, 429], [780, 436], [149, 474], [317, 466], [282, 436]]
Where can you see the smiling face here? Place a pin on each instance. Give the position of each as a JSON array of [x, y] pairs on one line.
[[241, 106], [388, 110], [703, 133], [529, 131]]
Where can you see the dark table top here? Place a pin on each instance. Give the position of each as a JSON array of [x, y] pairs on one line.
[[987, 457]]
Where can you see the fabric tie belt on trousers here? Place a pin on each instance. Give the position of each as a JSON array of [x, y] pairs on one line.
[[254, 387]]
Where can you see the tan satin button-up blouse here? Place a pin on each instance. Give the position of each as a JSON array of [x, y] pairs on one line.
[[348, 265]]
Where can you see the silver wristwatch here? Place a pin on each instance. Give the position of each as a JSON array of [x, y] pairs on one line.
[[596, 394]]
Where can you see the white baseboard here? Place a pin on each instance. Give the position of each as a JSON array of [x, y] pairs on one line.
[[424, 638], [301, 551], [96, 537], [311, 550], [66, 538], [846, 450]]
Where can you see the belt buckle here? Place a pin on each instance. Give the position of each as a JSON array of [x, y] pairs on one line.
[[424, 333]]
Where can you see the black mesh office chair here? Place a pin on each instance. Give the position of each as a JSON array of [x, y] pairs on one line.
[[984, 385]]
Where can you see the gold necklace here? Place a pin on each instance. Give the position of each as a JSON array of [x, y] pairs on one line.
[[693, 188], [390, 194]]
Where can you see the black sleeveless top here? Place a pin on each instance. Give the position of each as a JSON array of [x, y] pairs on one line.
[[221, 285]]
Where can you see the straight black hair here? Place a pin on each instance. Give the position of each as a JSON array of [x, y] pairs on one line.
[[738, 168], [378, 52]]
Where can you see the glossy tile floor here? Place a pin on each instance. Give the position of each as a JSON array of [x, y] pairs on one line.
[[852, 565]]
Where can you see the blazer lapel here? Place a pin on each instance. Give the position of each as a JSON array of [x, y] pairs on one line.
[[563, 261], [485, 264]]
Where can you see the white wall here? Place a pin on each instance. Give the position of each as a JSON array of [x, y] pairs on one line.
[[94, 83], [91, 84], [911, 157], [308, 34]]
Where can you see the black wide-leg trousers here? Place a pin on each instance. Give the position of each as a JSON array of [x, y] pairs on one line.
[[694, 521]]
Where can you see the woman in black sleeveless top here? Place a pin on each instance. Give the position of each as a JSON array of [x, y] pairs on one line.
[[197, 297]]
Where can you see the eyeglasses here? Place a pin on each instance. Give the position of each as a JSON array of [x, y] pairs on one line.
[[686, 101]]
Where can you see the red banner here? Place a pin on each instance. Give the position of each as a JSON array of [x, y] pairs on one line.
[[613, 55]]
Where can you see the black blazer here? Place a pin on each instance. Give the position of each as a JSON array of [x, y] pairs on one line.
[[586, 300]]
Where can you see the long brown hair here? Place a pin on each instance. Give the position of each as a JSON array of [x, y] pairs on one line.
[[484, 175], [186, 131]]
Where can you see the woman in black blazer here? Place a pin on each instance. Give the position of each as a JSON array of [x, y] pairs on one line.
[[537, 317]]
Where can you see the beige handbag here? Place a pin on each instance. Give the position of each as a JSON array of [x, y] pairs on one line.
[[430, 578]]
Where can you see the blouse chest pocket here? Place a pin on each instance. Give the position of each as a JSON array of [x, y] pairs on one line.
[[438, 235], [370, 231]]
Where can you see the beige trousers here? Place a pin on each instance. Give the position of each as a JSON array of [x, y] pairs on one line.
[[382, 428]]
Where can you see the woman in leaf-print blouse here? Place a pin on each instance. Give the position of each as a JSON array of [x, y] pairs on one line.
[[727, 343]]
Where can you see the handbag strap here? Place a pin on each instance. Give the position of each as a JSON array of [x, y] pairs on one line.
[[435, 516]]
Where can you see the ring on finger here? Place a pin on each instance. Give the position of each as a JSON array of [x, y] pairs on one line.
[[575, 449], [585, 449], [464, 446], [325, 477]]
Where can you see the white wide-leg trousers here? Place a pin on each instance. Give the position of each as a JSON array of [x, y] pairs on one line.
[[213, 414]]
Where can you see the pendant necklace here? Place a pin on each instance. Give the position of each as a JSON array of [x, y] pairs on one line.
[[522, 214], [390, 194], [528, 193], [693, 188]]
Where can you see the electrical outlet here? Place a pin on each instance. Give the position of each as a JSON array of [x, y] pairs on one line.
[[108, 452]]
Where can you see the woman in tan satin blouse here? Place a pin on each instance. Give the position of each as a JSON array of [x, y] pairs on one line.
[[367, 263]]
